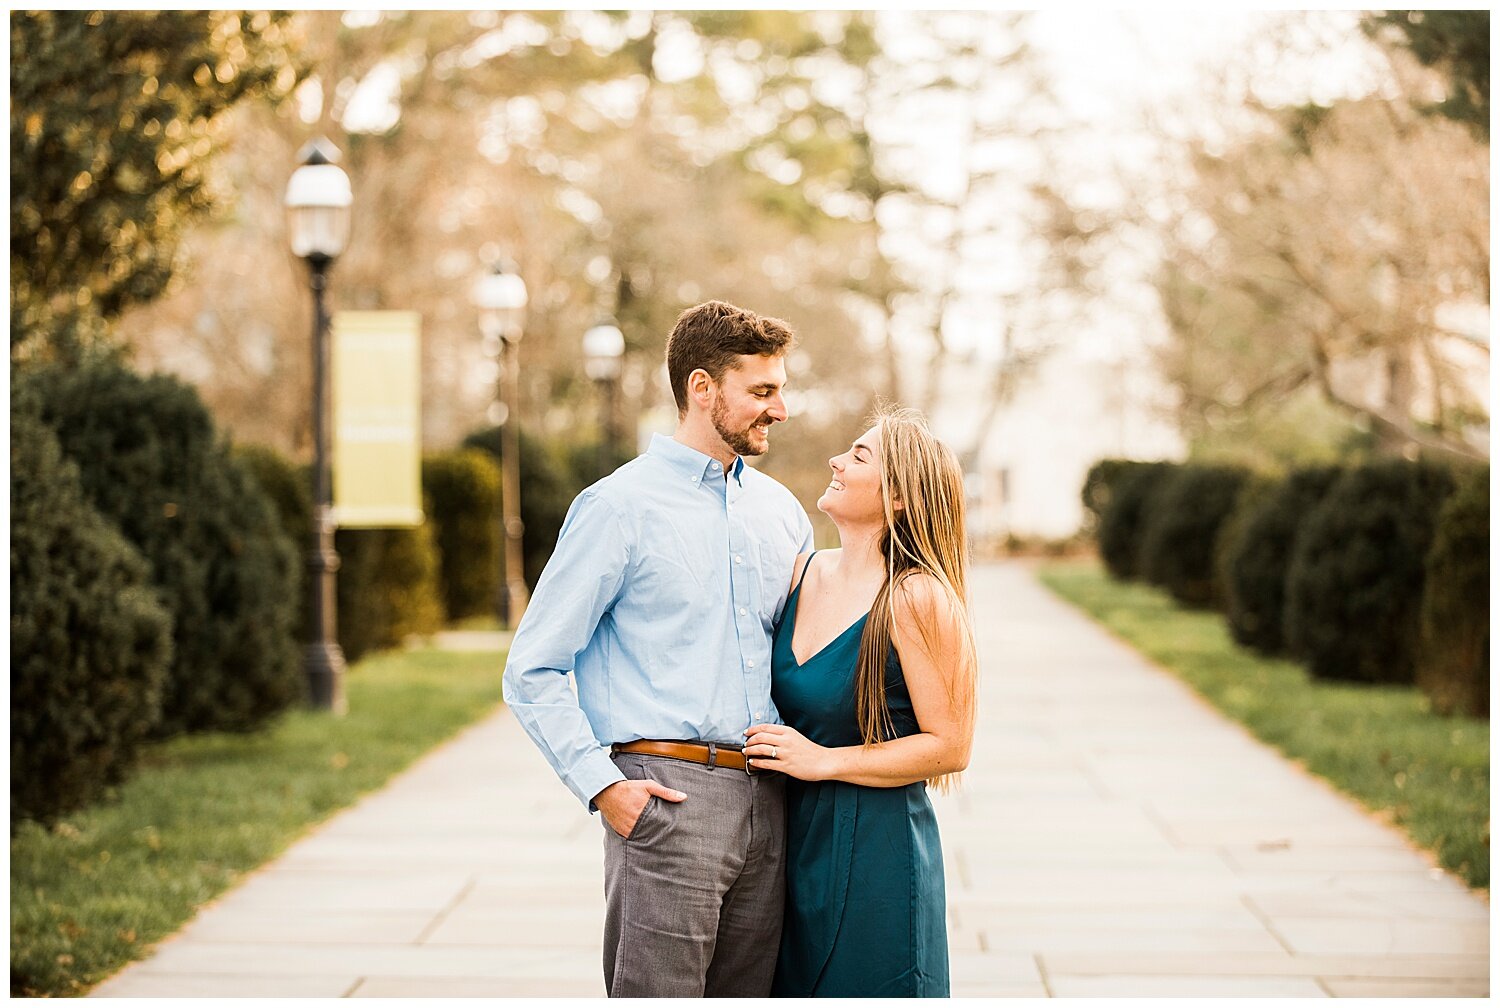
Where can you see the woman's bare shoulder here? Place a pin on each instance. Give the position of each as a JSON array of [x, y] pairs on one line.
[[919, 595], [829, 556]]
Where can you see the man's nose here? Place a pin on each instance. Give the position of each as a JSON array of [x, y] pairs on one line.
[[777, 410]]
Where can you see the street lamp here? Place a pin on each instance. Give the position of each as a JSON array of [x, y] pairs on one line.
[[317, 201], [603, 346], [500, 295]]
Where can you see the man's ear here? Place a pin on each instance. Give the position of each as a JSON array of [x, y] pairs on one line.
[[700, 387]]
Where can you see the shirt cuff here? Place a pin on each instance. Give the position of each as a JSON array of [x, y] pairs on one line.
[[592, 776]]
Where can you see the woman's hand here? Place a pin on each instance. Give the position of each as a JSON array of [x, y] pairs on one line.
[[778, 747]]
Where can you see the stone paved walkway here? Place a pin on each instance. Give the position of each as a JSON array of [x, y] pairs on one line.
[[1115, 836]]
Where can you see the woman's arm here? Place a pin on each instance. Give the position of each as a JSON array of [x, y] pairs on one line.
[[931, 662]]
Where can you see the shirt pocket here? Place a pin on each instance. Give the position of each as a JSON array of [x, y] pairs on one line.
[[776, 565]]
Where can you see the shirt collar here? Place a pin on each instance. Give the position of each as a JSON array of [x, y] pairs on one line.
[[691, 462]]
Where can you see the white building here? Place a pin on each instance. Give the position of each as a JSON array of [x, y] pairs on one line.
[[1074, 407]]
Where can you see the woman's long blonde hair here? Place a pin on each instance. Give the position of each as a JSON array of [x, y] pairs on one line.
[[926, 535]]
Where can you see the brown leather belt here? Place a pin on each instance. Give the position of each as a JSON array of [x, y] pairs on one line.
[[712, 754]]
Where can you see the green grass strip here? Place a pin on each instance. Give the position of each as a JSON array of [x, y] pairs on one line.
[[93, 893], [1382, 745]]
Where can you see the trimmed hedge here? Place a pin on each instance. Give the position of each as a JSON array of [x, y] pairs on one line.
[[1454, 663], [463, 491], [286, 487], [1132, 493], [1256, 550], [547, 490], [1354, 588], [1098, 491], [1182, 527], [90, 643], [387, 588], [151, 462]]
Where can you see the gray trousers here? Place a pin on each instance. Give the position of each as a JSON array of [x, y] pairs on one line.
[[694, 897]]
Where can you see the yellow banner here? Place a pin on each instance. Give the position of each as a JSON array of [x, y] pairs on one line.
[[377, 414]]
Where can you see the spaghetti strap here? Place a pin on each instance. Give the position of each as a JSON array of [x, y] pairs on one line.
[[801, 577]]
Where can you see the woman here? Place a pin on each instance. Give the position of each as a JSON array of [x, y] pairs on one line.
[[873, 714]]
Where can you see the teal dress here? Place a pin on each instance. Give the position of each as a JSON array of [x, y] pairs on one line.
[[865, 909]]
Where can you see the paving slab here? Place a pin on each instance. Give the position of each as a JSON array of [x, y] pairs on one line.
[[1115, 836], [148, 983], [1407, 988], [1179, 986]]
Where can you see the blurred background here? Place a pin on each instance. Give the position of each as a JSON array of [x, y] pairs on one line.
[[1206, 293], [1254, 237]]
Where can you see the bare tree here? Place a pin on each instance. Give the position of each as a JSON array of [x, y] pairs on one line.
[[1327, 250]]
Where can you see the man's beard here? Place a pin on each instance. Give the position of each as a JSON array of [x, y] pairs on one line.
[[739, 440]]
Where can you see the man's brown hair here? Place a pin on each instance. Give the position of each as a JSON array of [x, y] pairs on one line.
[[711, 335]]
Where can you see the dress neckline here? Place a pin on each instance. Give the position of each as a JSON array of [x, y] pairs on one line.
[[796, 607]]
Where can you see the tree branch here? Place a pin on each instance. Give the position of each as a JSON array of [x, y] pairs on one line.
[[1400, 426]]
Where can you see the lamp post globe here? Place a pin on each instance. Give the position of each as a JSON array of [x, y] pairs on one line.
[[603, 346], [500, 296], [318, 204]]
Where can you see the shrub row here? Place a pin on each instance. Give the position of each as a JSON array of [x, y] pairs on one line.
[[398, 582], [151, 591], [1374, 573], [90, 641], [158, 578]]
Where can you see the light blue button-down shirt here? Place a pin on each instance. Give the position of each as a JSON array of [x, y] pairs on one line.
[[660, 599]]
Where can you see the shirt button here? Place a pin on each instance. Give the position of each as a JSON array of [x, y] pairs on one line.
[[742, 610], [695, 479], [739, 559], [714, 466], [751, 663], [756, 715]]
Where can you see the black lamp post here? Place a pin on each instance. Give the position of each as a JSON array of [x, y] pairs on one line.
[[603, 346], [500, 295], [317, 201]]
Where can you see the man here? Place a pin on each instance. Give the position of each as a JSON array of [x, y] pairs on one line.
[[660, 599]]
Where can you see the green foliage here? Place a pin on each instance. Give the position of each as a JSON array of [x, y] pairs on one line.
[[387, 580], [548, 485], [1182, 528], [463, 494], [1381, 744], [1256, 551], [89, 642], [286, 486], [1456, 42], [1132, 490], [107, 883], [1098, 490], [1354, 588], [1454, 664], [150, 461], [387, 587], [113, 119]]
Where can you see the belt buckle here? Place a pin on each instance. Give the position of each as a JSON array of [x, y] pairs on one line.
[[750, 771]]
